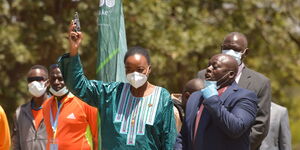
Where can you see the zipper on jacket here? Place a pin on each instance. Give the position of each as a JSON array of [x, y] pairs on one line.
[[35, 136]]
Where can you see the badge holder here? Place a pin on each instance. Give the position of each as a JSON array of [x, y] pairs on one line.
[[53, 144]]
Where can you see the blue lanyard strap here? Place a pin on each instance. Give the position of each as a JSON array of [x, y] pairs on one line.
[[54, 122]]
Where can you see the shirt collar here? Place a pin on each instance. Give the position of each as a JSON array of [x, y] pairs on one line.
[[239, 73]]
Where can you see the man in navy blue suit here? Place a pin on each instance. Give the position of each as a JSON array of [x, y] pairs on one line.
[[220, 116]]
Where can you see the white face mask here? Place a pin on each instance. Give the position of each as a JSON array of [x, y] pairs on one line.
[[236, 55], [136, 79], [59, 93], [37, 89]]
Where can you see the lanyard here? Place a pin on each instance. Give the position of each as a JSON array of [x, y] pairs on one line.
[[54, 122]]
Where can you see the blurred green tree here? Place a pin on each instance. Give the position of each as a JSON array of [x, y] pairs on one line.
[[180, 34]]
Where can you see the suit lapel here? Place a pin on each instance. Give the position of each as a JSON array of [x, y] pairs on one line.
[[244, 81], [228, 91], [194, 111], [203, 124], [205, 117]]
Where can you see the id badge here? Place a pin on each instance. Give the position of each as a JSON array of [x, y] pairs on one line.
[[53, 144]]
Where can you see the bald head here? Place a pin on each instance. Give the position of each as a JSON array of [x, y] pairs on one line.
[[228, 61], [221, 68], [193, 85], [190, 87], [235, 41]]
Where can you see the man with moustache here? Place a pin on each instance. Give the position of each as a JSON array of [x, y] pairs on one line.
[[219, 117]]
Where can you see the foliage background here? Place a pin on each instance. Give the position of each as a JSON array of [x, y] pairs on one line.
[[180, 34]]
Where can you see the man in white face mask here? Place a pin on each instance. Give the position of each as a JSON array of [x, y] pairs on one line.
[[68, 120], [235, 44], [28, 121]]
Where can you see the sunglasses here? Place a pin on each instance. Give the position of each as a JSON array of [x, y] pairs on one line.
[[38, 78]]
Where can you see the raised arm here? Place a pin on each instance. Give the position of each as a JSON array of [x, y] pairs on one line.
[[73, 74], [93, 92], [75, 39]]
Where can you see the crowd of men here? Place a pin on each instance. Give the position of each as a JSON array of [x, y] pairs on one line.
[[226, 107]]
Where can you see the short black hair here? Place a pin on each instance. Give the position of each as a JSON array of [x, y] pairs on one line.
[[137, 50], [42, 68], [53, 66]]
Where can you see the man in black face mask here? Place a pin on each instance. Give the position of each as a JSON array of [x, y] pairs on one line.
[[219, 117]]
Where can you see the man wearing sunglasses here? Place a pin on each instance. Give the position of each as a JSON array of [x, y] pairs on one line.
[[29, 130]]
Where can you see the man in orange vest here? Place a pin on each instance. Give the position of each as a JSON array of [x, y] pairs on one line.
[[70, 123]]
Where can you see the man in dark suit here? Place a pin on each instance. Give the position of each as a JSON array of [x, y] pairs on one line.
[[218, 117], [235, 44]]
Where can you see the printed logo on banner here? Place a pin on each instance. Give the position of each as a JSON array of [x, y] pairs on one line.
[[108, 3]]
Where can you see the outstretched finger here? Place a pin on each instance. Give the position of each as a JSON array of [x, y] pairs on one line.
[[72, 26]]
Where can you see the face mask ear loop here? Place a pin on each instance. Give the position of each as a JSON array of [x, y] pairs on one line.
[[243, 55], [244, 52], [147, 71], [44, 83], [222, 79]]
